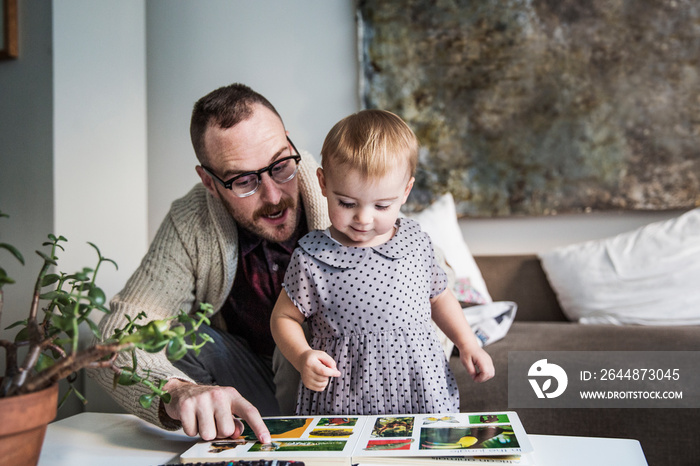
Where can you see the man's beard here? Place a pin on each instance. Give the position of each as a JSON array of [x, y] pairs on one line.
[[275, 233]]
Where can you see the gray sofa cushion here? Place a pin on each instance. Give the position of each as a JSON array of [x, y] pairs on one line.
[[521, 279]]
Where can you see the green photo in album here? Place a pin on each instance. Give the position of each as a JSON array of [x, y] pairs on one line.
[[337, 421], [298, 445], [457, 438], [331, 433], [488, 418], [291, 427], [390, 426], [404, 439]]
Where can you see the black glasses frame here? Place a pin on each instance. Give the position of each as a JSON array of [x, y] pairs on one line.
[[228, 184]]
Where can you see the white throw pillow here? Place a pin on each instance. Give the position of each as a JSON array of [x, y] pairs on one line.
[[439, 220], [648, 276]]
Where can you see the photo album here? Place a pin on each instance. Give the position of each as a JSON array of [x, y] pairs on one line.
[[455, 438]]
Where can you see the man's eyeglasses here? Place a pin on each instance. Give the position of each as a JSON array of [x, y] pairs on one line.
[[246, 184]]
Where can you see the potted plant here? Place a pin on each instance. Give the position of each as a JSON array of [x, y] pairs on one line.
[[48, 348]]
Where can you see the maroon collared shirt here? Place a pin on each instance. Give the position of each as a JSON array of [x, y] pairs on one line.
[[261, 268]]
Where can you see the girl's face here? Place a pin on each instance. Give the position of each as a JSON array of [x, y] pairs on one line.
[[363, 211]]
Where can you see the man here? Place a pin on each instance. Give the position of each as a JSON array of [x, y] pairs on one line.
[[227, 243]]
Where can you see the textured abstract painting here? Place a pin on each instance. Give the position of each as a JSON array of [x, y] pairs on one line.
[[538, 107]]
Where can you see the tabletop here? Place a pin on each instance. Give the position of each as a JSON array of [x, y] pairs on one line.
[[88, 439]]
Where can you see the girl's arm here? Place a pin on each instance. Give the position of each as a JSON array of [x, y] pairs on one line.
[[314, 366], [448, 315]]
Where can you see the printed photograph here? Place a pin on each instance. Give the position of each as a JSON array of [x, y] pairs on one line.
[[488, 419], [393, 427], [300, 445], [225, 445], [280, 428], [337, 421], [457, 438], [403, 444], [433, 420], [335, 433]]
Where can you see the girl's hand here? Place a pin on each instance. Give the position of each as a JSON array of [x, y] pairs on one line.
[[316, 368], [478, 364]]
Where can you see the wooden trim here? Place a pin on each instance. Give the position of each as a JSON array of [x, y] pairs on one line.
[[10, 18]]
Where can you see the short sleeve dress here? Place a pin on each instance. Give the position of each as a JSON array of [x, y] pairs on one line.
[[369, 309]]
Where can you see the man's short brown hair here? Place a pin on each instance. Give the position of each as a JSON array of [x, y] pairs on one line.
[[225, 107]]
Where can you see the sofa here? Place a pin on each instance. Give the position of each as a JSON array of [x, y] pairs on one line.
[[667, 436]]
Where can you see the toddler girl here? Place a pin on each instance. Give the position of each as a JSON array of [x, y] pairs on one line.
[[369, 286]]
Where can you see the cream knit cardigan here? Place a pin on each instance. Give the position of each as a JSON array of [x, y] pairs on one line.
[[192, 259]]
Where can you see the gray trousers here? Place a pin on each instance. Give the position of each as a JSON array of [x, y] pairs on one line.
[[269, 383]]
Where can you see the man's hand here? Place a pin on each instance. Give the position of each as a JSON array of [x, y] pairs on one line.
[[208, 411], [316, 368]]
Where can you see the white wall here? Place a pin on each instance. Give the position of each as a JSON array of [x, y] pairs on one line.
[[100, 134], [300, 55], [100, 192]]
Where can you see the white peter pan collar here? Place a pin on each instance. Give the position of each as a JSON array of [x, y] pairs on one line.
[[319, 245]]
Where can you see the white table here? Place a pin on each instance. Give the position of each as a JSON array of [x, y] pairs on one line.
[[91, 439]]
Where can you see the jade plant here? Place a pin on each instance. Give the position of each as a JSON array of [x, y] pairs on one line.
[[47, 346]]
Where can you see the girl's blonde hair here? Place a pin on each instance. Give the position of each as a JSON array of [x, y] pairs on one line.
[[374, 142]]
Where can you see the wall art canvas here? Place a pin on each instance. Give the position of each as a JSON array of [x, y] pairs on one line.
[[539, 107]]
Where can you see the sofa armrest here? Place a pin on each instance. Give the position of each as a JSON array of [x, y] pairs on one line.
[[520, 278]]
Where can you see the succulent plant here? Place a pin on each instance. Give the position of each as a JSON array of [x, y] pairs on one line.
[[48, 347]]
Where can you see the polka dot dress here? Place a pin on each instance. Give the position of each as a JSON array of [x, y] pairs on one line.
[[369, 309]]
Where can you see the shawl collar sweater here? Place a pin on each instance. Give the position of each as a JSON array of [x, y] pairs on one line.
[[192, 259]]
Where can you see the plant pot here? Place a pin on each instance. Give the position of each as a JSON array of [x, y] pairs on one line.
[[24, 421]]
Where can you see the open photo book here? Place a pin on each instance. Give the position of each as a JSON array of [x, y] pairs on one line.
[[454, 438]]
